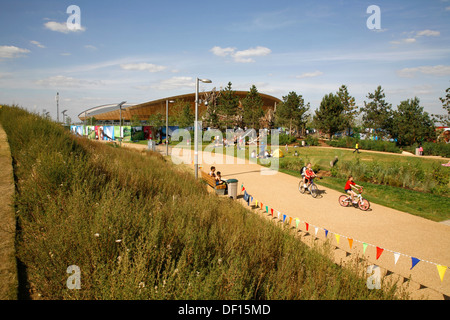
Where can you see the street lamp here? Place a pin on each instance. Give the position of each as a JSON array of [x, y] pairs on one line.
[[167, 125], [196, 125], [57, 107], [64, 116], [120, 130]]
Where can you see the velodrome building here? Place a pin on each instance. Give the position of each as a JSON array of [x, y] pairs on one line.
[[111, 112]]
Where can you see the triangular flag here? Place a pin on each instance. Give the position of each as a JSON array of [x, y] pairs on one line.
[[267, 208], [337, 237], [379, 252], [364, 247], [297, 220], [290, 220], [396, 256], [261, 205], [315, 230], [256, 202], [278, 214], [326, 232], [284, 217], [251, 199], [414, 262], [441, 270], [271, 210], [307, 226], [350, 242]]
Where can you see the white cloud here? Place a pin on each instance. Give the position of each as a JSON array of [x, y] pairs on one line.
[[428, 33], [61, 27], [310, 74], [243, 56], [37, 44], [175, 83], [9, 52], [68, 82], [404, 41], [90, 47], [143, 67], [222, 52], [439, 70], [447, 8]]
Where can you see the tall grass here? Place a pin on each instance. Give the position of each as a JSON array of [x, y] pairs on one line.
[[431, 178], [140, 228]]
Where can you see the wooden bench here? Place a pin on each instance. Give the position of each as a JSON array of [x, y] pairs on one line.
[[220, 189]]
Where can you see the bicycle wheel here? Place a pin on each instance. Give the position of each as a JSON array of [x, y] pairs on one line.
[[364, 204], [300, 187], [343, 200], [314, 191]]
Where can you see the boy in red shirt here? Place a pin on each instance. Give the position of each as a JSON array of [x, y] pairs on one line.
[[349, 185], [307, 174]]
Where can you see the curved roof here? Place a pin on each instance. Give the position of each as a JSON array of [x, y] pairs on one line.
[[144, 110]]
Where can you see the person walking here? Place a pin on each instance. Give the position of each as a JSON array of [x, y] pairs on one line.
[[356, 148]]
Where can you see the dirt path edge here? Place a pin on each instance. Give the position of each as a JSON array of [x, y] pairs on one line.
[[8, 266]]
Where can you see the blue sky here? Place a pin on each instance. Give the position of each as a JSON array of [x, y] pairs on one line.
[[144, 50]]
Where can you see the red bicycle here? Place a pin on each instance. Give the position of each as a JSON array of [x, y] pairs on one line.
[[361, 203]]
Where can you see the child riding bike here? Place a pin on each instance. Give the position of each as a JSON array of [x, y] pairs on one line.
[[348, 188], [307, 174]]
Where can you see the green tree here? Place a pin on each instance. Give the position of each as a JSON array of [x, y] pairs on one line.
[[135, 121], [444, 119], [377, 113], [183, 115], [350, 108], [253, 111], [228, 107], [292, 112], [157, 120], [329, 118], [411, 124]]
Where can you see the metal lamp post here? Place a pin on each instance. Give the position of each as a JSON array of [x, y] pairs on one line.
[[57, 107], [167, 126], [196, 125], [64, 116], [120, 130]]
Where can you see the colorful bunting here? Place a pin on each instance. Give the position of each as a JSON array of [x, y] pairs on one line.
[[337, 237], [364, 247], [414, 261], [396, 256], [441, 270], [297, 220], [326, 232], [271, 210], [284, 217], [267, 208], [315, 230], [379, 252], [350, 243], [290, 220], [307, 226]]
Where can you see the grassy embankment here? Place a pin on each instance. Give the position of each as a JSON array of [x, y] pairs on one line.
[[142, 228]]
